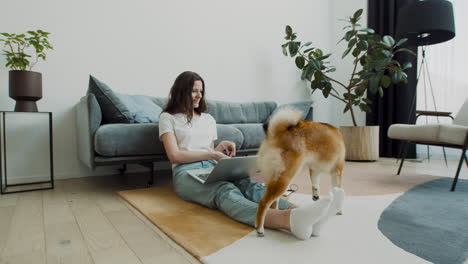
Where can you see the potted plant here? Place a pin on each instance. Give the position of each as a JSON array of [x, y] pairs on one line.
[[374, 69], [25, 86]]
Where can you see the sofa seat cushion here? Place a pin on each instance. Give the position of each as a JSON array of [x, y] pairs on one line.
[[433, 133], [253, 134], [453, 134], [113, 140], [229, 132]]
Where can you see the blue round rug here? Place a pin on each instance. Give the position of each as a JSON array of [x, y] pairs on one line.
[[430, 221]]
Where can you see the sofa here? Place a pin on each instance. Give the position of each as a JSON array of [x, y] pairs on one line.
[[120, 129]]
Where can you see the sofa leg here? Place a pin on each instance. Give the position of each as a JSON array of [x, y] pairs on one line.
[[151, 177], [123, 169], [405, 151], [149, 165]]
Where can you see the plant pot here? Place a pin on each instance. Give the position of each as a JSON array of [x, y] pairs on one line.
[[362, 142], [26, 89]]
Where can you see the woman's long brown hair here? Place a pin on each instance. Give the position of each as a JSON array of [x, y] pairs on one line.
[[180, 96]]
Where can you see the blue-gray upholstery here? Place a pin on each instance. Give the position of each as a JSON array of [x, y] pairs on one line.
[[235, 113], [128, 140], [107, 144], [253, 134], [113, 109]]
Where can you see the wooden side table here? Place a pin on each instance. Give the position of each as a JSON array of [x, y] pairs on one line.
[[3, 157]]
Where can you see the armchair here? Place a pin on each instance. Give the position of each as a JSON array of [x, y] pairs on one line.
[[453, 135]]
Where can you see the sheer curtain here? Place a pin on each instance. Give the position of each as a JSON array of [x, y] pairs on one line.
[[446, 64]]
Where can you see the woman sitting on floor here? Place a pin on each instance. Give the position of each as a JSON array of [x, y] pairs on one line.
[[188, 133]]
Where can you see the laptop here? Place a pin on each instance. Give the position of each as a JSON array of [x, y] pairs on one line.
[[227, 169]]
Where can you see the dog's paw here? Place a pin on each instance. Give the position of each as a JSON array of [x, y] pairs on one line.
[[315, 197], [260, 232]]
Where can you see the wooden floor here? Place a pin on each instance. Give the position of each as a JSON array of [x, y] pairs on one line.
[[83, 221]]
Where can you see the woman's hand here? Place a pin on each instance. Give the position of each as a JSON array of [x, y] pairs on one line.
[[228, 147], [217, 155]]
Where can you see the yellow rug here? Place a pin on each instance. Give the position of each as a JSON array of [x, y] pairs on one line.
[[201, 231]]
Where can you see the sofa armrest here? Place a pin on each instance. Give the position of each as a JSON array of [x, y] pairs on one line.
[[304, 106], [88, 120]]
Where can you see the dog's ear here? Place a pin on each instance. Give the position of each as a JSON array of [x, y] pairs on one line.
[[265, 127]]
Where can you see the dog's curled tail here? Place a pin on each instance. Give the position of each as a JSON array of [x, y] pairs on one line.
[[283, 119]]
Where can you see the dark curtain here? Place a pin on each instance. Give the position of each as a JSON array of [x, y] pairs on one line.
[[397, 104]]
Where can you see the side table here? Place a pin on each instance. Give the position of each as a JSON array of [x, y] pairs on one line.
[[3, 157]]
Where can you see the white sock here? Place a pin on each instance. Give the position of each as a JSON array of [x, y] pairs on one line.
[[303, 218], [338, 195]]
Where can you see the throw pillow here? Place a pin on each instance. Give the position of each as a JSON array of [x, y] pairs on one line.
[[141, 108], [113, 110]]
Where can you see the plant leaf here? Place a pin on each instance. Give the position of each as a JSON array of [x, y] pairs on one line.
[[285, 49], [386, 81], [345, 53], [407, 65], [346, 109], [300, 61], [367, 30], [362, 45], [288, 30], [388, 41], [293, 48], [357, 14], [364, 107], [315, 64], [401, 42]]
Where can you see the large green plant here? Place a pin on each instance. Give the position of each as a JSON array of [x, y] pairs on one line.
[[17, 46], [374, 54]]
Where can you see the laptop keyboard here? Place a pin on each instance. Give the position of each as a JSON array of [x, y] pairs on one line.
[[203, 176]]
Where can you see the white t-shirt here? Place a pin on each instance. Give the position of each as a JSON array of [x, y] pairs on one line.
[[195, 136]]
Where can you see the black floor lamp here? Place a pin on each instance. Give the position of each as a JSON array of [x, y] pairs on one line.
[[425, 23]]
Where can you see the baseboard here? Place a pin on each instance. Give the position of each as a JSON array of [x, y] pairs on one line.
[[100, 171]]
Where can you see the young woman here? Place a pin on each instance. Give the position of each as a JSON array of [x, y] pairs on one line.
[[188, 134]]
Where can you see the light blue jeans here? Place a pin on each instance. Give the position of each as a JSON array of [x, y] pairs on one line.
[[238, 199]]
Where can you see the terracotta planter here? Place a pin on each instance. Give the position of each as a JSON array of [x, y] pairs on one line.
[[26, 89], [362, 142]]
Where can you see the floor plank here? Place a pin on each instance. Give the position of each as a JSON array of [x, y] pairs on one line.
[[104, 242], [6, 215], [148, 245], [26, 241], [64, 241], [8, 199]]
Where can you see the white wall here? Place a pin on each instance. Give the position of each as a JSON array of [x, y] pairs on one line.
[[140, 47]]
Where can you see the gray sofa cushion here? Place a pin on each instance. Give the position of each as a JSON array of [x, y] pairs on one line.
[[253, 134], [238, 113], [228, 132], [113, 109], [128, 140], [142, 139]]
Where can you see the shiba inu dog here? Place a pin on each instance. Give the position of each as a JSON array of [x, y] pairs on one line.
[[290, 145]]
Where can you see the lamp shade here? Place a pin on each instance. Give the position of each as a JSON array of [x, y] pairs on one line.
[[426, 22]]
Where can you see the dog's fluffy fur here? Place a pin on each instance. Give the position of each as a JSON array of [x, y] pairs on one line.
[[290, 145]]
